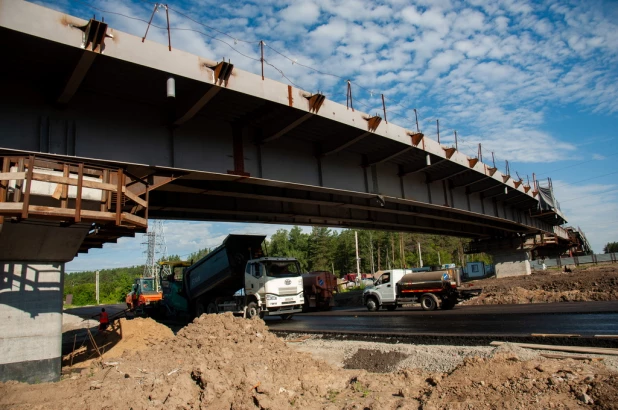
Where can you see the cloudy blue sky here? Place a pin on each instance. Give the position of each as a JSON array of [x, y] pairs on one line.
[[535, 82]]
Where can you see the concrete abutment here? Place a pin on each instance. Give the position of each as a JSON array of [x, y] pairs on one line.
[[32, 258], [512, 263]]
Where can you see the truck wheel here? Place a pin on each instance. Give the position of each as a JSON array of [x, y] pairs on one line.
[[428, 302], [212, 308], [199, 309], [390, 308], [252, 310], [286, 317], [372, 305]]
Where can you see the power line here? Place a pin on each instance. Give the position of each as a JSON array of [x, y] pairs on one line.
[[587, 196], [576, 164], [587, 179]]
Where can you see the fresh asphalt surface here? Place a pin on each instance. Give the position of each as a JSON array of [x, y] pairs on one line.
[[582, 318]]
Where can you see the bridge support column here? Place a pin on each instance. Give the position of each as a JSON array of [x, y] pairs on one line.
[[512, 263], [32, 257]]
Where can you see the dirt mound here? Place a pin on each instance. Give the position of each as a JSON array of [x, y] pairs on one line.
[[505, 381], [122, 336], [597, 283], [221, 361]]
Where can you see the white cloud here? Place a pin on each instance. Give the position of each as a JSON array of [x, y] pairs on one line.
[[593, 207], [306, 13]]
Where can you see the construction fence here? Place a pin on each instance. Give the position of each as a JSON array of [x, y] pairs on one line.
[[575, 260]]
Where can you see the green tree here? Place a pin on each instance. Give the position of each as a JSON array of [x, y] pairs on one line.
[[611, 247], [319, 253]]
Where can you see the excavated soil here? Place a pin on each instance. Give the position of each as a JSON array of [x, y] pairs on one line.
[[374, 360], [225, 362], [597, 283]]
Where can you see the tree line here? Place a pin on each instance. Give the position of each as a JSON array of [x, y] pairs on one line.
[[611, 247], [321, 249], [325, 249]]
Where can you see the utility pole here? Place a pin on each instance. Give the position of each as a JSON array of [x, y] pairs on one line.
[[357, 258], [156, 249], [420, 256], [401, 251], [393, 251], [373, 269], [97, 286]]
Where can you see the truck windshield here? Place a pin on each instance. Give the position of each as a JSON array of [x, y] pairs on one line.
[[281, 269], [147, 285]]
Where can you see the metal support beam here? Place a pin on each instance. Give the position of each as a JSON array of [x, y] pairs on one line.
[[201, 103], [289, 128], [391, 156], [486, 189], [467, 184], [78, 75], [449, 176], [423, 168], [346, 144]]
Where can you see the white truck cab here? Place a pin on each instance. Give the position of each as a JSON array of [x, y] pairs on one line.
[[277, 285], [383, 292]]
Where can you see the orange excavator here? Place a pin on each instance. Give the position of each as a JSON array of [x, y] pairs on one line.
[[144, 298]]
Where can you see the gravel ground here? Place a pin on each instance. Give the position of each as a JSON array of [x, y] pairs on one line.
[[430, 358]]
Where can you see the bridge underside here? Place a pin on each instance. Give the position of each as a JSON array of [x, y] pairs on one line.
[[238, 157]]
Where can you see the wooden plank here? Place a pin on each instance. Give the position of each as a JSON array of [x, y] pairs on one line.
[[104, 180], [134, 219], [78, 196], [134, 197], [6, 166], [64, 203], [565, 356], [73, 181], [575, 349], [12, 207], [51, 211], [26, 203], [120, 182], [69, 213], [146, 209], [18, 185], [4, 176], [554, 335], [97, 215], [57, 194], [607, 336]]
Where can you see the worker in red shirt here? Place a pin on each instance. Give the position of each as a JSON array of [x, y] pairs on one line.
[[103, 320]]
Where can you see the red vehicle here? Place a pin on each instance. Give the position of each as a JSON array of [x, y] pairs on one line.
[[143, 296], [319, 289]]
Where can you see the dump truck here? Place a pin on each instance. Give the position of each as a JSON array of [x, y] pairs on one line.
[[237, 278], [144, 297], [431, 289], [319, 288]]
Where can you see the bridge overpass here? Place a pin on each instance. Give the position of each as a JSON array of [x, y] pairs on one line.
[[100, 131]]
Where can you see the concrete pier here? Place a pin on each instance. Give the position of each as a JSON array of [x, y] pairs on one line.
[[32, 258], [512, 263]]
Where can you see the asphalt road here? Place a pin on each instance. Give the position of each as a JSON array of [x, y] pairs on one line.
[[582, 318]]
